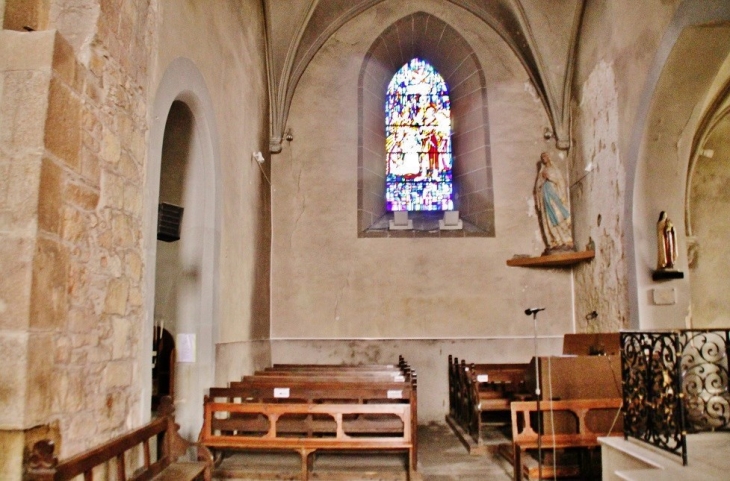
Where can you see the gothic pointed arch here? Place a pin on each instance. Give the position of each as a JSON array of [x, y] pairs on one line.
[[425, 36]]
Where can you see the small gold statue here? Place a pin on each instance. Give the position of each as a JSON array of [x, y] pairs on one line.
[[666, 243]]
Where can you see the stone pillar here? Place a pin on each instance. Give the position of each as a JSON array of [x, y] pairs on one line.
[[72, 146], [32, 286]]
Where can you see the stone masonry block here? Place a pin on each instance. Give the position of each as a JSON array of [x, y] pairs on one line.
[[111, 147], [82, 196], [116, 297], [64, 60], [20, 14], [118, 374], [63, 123], [12, 444], [40, 377], [26, 50], [133, 266], [13, 356], [50, 199], [112, 190], [15, 283], [122, 334], [19, 196], [48, 295], [23, 107]]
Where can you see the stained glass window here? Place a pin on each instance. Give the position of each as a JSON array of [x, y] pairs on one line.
[[418, 140]]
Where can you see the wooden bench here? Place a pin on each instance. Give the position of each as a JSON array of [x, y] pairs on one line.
[[310, 409], [306, 443], [44, 466], [525, 434]]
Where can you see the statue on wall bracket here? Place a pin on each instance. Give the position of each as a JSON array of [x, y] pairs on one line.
[[666, 243], [553, 207]]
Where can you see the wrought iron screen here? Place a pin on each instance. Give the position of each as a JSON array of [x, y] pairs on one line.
[[674, 382]]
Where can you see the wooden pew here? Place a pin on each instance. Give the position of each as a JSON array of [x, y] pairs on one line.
[[44, 466], [491, 389], [335, 415], [525, 434], [477, 391], [386, 390]]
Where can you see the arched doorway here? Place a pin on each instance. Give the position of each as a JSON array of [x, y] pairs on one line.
[[183, 170]]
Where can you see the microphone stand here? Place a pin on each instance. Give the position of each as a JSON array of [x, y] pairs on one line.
[[537, 399]]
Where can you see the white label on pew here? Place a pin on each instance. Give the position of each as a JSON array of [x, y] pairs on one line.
[[482, 377], [281, 392], [398, 378], [395, 394]]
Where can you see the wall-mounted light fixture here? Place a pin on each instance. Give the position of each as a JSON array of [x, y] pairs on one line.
[[289, 135], [547, 134], [258, 157]]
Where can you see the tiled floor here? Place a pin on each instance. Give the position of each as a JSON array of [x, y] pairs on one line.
[[441, 458]]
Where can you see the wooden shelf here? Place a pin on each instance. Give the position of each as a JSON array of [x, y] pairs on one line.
[[564, 259]]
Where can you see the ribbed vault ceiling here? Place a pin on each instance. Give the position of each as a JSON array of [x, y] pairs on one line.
[[541, 33]]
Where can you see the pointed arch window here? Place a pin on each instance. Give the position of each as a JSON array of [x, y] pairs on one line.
[[418, 140]]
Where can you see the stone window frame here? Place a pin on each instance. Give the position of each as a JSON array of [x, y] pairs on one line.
[[427, 37]]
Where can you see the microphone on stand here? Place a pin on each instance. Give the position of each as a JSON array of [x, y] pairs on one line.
[[533, 310]]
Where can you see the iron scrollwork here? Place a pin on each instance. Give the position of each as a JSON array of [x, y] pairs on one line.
[[674, 382]]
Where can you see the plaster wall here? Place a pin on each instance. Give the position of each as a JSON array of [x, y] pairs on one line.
[[612, 64], [710, 204], [224, 43], [332, 291], [429, 357]]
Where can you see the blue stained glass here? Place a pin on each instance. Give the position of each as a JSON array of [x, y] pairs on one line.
[[418, 140]]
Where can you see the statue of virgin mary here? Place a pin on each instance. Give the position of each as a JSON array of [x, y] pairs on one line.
[[553, 207]]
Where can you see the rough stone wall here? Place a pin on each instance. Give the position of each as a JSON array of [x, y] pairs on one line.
[[612, 62], [96, 373], [597, 196], [73, 144]]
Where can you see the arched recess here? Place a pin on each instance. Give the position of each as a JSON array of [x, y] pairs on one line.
[[708, 217], [669, 112], [427, 37], [183, 85]]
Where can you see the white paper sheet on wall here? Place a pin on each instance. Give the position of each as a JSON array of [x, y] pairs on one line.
[[185, 347]]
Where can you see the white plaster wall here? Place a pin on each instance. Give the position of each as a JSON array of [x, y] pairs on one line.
[[328, 286]]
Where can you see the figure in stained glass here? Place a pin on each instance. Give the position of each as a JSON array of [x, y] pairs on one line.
[[418, 140]]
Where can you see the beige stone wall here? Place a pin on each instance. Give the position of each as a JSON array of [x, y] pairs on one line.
[[74, 107], [73, 149], [329, 285]]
